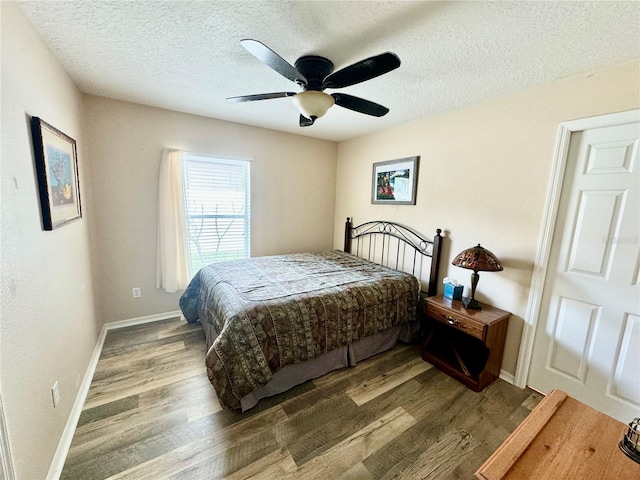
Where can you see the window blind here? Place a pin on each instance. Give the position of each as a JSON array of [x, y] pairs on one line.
[[217, 206]]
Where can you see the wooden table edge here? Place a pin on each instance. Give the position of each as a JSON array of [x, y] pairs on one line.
[[500, 462]]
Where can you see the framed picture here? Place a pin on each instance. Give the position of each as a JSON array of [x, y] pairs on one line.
[[395, 181], [57, 168]]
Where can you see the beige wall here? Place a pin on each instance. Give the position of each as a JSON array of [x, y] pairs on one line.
[[48, 327], [292, 193], [484, 172]]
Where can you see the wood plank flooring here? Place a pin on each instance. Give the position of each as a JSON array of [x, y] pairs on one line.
[[151, 413]]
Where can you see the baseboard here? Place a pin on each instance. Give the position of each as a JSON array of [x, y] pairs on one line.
[[140, 320], [507, 377], [67, 435]]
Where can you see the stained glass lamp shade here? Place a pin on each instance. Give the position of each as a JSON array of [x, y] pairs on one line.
[[478, 259]]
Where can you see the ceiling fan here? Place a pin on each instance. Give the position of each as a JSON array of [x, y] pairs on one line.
[[314, 74]]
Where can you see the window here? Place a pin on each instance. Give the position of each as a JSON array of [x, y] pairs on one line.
[[217, 209]]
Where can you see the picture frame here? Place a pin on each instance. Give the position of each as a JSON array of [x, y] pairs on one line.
[[395, 181], [56, 162]]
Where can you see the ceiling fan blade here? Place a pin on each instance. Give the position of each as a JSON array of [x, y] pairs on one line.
[[259, 96], [273, 60], [358, 104], [306, 122], [363, 70]]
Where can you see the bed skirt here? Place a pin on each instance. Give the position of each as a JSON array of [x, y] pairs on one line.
[[347, 356]]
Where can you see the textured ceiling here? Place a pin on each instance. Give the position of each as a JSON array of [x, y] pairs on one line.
[[186, 55]]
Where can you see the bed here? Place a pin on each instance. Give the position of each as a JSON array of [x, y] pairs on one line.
[[277, 321]]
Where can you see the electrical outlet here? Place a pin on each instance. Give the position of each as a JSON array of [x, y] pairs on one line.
[[136, 292], [55, 394]]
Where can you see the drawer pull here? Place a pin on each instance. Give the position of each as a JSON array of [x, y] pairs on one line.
[[452, 321]]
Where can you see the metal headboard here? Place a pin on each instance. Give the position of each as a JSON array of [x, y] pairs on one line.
[[374, 241]]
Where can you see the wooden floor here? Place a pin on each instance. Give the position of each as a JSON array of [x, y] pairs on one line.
[[151, 413]]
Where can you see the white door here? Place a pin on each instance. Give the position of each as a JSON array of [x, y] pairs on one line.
[[587, 341]]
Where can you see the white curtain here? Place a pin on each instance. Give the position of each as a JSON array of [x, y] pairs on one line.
[[172, 272]]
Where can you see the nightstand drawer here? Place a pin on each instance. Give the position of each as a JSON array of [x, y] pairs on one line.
[[456, 321]]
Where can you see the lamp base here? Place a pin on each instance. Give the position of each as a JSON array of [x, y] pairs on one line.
[[471, 303], [629, 450]]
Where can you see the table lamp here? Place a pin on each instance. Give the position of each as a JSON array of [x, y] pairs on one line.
[[478, 259], [630, 444]]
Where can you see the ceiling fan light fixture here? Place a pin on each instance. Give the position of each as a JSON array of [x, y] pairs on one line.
[[313, 104]]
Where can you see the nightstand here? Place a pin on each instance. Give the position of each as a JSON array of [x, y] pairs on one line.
[[465, 344]]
